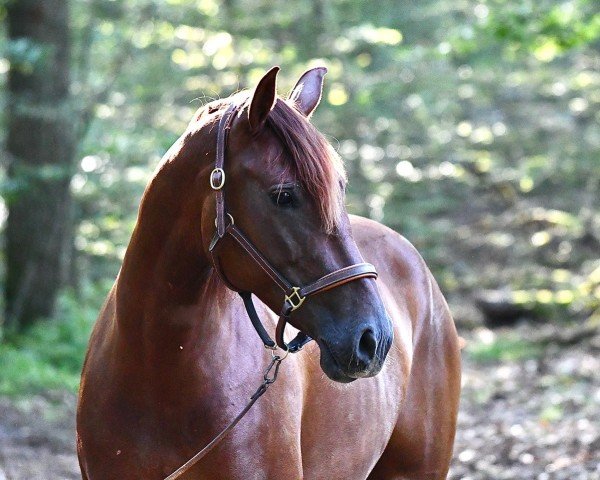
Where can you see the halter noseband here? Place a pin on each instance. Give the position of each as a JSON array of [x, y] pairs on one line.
[[293, 296]]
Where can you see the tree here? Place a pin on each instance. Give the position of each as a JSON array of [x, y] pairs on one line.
[[40, 147]]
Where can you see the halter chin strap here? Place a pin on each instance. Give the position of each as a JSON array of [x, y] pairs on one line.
[[294, 296]]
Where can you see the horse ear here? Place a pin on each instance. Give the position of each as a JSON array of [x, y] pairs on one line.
[[263, 99], [307, 92]]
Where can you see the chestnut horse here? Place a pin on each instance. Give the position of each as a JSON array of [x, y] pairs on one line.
[[173, 357]]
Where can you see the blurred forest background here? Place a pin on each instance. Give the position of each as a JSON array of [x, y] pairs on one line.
[[469, 126]]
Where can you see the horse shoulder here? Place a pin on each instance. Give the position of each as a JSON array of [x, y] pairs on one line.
[[423, 438], [402, 270], [394, 256], [403, 274]]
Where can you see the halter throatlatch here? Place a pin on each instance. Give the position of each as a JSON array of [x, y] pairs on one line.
[[294, 296]]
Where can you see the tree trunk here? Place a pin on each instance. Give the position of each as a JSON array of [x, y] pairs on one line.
[[40, 145]]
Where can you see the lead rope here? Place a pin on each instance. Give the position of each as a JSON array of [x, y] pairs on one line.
[[266, 383], [272, 370]]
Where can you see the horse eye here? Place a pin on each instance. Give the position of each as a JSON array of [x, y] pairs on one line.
[[282, 198]]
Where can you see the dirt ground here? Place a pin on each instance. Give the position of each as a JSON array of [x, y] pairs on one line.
[[37, 438], [526, 419], [531, 419]]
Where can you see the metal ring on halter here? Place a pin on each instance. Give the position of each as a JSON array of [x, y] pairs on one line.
[[287, 352], [221, 181], [230, 218]]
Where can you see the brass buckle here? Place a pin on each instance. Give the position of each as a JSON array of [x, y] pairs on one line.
[[295, 295], [213, 184]]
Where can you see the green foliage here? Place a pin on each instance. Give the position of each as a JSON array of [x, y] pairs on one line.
[[470, 127], [503, 347], [23, 54], [546, 29], [49, 356], [427, 119]]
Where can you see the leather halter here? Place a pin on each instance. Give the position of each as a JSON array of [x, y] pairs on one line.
[[294, 296]]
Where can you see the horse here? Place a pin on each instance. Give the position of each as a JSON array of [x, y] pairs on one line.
[[173, 358]]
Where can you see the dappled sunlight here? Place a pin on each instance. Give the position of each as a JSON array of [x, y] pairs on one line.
[[470, 128]]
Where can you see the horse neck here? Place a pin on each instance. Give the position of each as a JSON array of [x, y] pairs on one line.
[[165, 266]]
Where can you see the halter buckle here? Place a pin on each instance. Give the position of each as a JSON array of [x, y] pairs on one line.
[[217, 182], [295, 296]]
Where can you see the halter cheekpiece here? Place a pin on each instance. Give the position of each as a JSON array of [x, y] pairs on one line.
[[294, 296]]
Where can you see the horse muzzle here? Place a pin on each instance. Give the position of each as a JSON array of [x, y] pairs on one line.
[[361, 356]]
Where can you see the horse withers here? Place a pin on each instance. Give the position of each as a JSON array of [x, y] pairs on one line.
[[173, 357]]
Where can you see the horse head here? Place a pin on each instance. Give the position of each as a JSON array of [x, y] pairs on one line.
[[284, 186]]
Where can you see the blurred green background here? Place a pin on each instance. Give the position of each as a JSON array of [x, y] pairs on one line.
[[470, 126]]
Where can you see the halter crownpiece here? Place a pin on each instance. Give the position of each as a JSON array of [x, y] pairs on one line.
[[294, 296]]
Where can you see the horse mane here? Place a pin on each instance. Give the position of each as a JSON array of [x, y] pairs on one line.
[[314, 163]]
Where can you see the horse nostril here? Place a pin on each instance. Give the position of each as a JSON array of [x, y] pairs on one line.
[[367, 346]]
